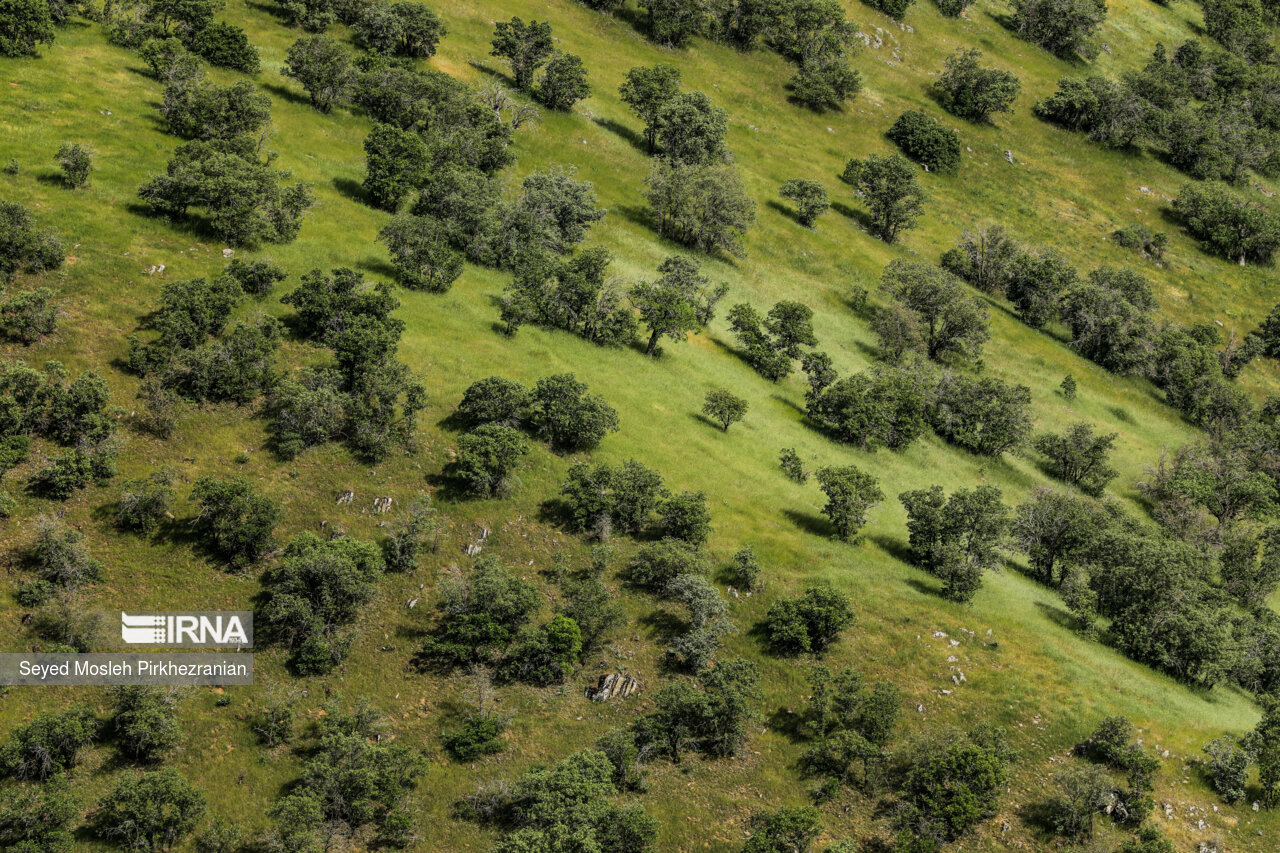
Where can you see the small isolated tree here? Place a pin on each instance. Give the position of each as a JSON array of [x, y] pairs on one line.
[[563, 83], [486, 458], [691, 129], [22, 246], [924, 139], [1083, 791], [647, 90], [792, 466], [144, 722], [1079, 457], [1068, 388], [421, 253], [48, 745], [562, 410], [809, 623], [226, 46], [236, 522], [850, 494], [148, 811], [23, 25], [145, 502], [492, 400], [889, 188], [1062, 27], [525, 47], [323, 67], [724, 408], [705, 207], [970, 91], [76, 162], [1228, 768], [670, 306], [810, 198]]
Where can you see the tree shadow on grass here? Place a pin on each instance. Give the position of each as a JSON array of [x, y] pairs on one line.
[[891, 545], [810, 523], [53, 179], [287, 94], [790, 724], [860, 217], [377, 266], [662, 626], [1058, 616], [352, 190], [706, 421], [786, 211], [635, 140], [934, 590], [787, 401], [497, 74]]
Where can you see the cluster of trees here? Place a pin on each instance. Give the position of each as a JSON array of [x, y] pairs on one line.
[[1062, 27], [813, 35], [406, 29], [353, 784], [1084, 791], [566, 805], [530, 47], [25, 24], [483, 621], [956, 537], [368, 398], [60, 561], [1227, 224], [74, 414], [495, 410], [578, 295], [772, 343], [182, 31], [224, 169], [849, 725], [1209, 110]]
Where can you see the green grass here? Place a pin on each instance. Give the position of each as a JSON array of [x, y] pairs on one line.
[[1031, 674]]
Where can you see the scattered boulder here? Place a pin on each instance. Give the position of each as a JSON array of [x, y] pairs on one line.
[[613, 685]]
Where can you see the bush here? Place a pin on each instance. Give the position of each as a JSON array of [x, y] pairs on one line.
[[1228, 768], [492, 400], [888, 187], [476, 737], [924, 139], [144, 722], [1062, 27], [896, 9], [810, 198], [744, 570], [973, 92], [226, 46], [256, 278], [22, 247], [485, 460], [953, 8], [1227, 223], [235, 521], [656, 564], [571, 419], [49, 744], [29, 316], [792, 466], [421, 254], [850, 493], [76, 162], [1140, 238], [148, 811], [986, 416], [564, 83], [705, 207], [809, 623], [145, 502]]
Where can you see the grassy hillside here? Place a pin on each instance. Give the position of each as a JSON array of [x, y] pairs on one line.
[[1026, 669]]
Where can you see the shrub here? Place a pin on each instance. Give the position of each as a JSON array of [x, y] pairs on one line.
[[974, 92], [421, 254], [809, 623], [485, 460], [1079, 457], [744, 570], [1228, 768], [656, 564], [571, 419], [49, 744], [148, 811], [792, 466], [226, 46], [986, 416], [22, 247], [850, 494], [235, 521], [889, 188], [145, 502], [492, 400], [705, 207], [256, 278], [1140, 238], [724, 408], [925, 140], [810, 198], [29, 316], [896, 9], [1227, 223], [1062, 27], [564, 83], [144, 722], [476, 737], [76, 162], [23, 25]]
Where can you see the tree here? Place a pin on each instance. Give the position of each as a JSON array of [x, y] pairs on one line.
[[704, 207], [986, 416], [564, 82], [951, 782], [659, 563], [956, 538], [148, 811], [226, 46], [810, 198], [1226, 223], [691, 130], [323, 67], [647, 90], [1228, 768], [60, 557], [950, 320], [1148, 840], [674, 22], [144, 722], [29, 316], [1083, 791], [1240, 26], [712, 720], [785, 830], [792, 467], [1110, 319], [76, 162], [577, 295], [889, 188], [850, 494], [422, 29], [809, 623], [1079, 457], [985, 257], [1250, 564], [526, 47], [546, 655], [1062, 27], [571, 419], [23, 25], [396, 161], [235, 521], [925, 140], [724, 408], [685, 516], [485, 459], [970, 91], [22, 247], [492, 400], [477, 616], [144, 502], [1051, 527], [882, 405], [670, 305], [49, 744], [39, 818], [1264, 743], [421, 254], [551, 216]]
